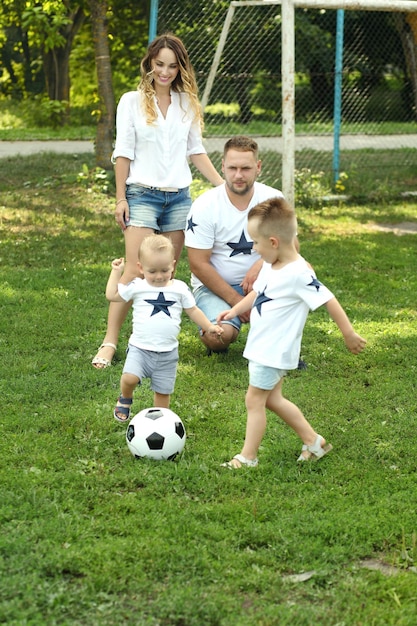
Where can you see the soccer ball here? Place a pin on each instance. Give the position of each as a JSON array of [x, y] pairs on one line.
[[157, 434]]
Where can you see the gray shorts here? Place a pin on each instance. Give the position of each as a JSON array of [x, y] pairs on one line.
[[159, 367]]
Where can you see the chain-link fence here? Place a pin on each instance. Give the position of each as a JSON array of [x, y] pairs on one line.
[[378, 122]]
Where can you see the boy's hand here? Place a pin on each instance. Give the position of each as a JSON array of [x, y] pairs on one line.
[[224, 315], [214, 329], [118, 265], [355, 343]]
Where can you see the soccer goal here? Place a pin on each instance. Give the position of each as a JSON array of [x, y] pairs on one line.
[[288, 53]]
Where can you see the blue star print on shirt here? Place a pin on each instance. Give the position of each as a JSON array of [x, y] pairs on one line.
[[314, 283], [161, 305], [243, 246], [260, 300], [191, 224]]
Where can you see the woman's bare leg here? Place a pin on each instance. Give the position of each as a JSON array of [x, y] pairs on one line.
[[177, 238], [118, 310]]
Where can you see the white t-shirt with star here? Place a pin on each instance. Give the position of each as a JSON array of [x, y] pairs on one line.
[[214, 223], [156, 312], [285, 297]]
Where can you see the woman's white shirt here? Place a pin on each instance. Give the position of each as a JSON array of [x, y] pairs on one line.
[[158, 152]]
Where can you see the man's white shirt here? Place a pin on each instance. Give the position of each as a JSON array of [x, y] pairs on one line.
[[214, 223]]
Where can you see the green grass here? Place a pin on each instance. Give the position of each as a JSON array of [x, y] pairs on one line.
[[371, 175], [31, 120], [262, 128], [376, 175], [91, 536], [64, 133], [225, 129]]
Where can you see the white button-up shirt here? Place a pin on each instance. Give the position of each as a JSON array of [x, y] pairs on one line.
[[158, 152]]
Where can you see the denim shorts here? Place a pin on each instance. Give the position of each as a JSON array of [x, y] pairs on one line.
[[264, 377], [160, 367], [162, 211], [212, 305]]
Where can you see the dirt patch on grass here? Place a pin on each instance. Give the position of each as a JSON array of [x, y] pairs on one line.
[[402, 228], [385, 568]]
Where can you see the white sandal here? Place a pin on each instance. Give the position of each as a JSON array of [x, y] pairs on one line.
[[316, 450], [100, 360], [242, 460]]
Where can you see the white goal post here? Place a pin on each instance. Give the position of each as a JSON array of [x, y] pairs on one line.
[[288, 62]]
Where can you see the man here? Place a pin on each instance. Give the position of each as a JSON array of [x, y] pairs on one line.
[[222, 260]]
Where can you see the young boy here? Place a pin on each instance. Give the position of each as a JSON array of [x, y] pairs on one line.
[[158, 302], [284, 292]]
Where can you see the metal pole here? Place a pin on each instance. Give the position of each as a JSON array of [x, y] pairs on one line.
[[217, 56], [153, 21], [337, 111], [288, 99], [359, 5]]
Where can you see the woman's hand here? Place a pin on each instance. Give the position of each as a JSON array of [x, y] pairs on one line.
[[122, 213]]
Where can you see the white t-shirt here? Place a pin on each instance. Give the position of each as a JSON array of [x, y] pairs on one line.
[[158, 152], [279, 314], [156, 313], [215, 224]]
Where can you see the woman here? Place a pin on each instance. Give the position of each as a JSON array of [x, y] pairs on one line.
[[158, 129]]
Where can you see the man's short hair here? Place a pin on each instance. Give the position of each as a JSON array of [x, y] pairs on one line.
[[241, 143]]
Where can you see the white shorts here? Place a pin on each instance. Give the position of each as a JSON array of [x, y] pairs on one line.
[[264, 377]]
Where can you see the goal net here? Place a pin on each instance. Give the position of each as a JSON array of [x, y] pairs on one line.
[[238, 60]]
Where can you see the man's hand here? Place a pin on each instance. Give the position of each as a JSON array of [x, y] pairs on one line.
[[251, 276]]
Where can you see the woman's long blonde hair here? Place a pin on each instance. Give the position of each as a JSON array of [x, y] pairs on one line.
[[184, 82]]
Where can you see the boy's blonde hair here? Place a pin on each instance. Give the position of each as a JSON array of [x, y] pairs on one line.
[[185, 81], [276, 218], [154, 244]]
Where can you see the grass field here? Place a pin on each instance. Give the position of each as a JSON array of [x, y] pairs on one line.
[[365, 175], [92, 536]]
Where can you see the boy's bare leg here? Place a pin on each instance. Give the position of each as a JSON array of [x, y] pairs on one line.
[[255, 423], [128, 384], [161, 399], [292, 416]]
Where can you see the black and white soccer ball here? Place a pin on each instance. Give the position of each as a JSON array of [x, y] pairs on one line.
[[156, 433]]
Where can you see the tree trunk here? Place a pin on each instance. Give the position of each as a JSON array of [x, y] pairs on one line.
[[56, 67], [407, 28], [56, 63], [105, 126]]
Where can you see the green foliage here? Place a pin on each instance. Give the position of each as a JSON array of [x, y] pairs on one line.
[[45, 24], [376, 85], [46, 112], [91, 536], [310, 188], [33, 117], [221, 111], [96, 179]]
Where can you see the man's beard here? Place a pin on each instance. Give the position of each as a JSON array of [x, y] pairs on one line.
[[240, 191]]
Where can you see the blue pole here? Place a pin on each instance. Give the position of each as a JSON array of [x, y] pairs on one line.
[[153, 20], [337, 109]]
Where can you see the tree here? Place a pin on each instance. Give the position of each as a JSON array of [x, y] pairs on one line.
[[20, 75], [406, 25], [51, 27], [105, 126]]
